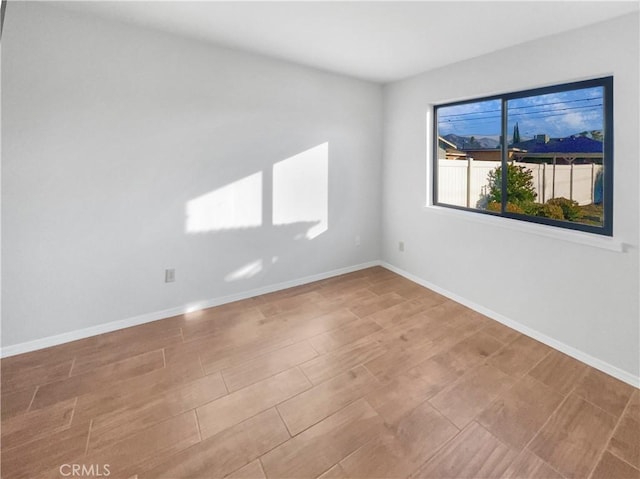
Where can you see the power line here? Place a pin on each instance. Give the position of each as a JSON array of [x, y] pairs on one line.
[[520, 107], [528, 114], [554, 103], [558, 109]]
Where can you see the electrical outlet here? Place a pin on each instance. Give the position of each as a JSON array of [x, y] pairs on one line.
[[400, 245], [358, 240], [169, 275]]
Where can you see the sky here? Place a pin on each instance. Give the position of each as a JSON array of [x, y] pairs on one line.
[[556, 114]]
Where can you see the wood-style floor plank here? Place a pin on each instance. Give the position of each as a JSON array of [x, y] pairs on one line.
[[220, 355], [225, 452], [474, 453], [559, 371], [400, 396], [329, 365], [155, 383], [140, 412], [229, 410], [398, 359], [604, 391], [633, 406], [529, 466], [253, 470], [318, 448], [422, 432], [218, 322], [413, 330], [468, 353], [470, 394], [436, 374], [291, 303], [313, 405], [390, 285], [123, 346], [16, 402], [382, 457], [14, 378], [336, 472], [149, 447], [37, 424], [572, 438], [354, 331], [501, 332], [99, 378], [267, 365], [347, 286], [46, 454], [519, 413], [625, 442], [377, 303], [389, 317], [520, 356], [611, 467]]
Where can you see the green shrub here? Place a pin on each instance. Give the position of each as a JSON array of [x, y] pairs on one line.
[[551, 211], [533, 209], [511, 207], [544, 211], [520, 187], [570, 208], [494, 206]]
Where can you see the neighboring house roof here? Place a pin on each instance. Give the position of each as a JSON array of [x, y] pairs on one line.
[[455, 152], [571, 144], [491, 149], [447, 142]]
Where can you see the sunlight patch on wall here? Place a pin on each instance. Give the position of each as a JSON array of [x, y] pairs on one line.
[[247, 271], [300, 190], [236, 205]]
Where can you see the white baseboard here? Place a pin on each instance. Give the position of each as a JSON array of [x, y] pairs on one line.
[[532, 333], [49, 341]]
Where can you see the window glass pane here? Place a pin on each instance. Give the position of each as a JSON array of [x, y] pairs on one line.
[[468, 150], [555, 154]]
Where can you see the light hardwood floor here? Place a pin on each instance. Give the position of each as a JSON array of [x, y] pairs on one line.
[[363, 375]]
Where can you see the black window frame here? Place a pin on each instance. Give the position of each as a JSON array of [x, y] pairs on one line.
[[607, 83]]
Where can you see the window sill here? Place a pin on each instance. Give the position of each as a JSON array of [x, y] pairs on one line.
[[602, 242]]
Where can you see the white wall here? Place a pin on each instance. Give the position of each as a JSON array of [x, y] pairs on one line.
[[579, 295], [110, 131]]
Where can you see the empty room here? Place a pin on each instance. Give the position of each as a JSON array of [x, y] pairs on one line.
[[341, 239]]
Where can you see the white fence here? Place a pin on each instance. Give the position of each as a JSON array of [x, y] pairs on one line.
[[465, 182]]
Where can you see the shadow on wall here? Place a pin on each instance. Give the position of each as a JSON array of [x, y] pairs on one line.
[[286, 203]]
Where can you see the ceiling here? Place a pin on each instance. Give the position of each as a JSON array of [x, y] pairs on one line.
[[377, 41]]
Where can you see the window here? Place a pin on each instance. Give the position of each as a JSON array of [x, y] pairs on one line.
[[554, 143]]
